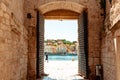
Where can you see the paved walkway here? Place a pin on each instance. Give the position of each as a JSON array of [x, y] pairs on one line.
[[62, 70]]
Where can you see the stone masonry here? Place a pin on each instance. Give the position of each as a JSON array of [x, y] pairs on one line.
[[94, 18], [30, 24], [18, 36], [13, 41], [110, 41]]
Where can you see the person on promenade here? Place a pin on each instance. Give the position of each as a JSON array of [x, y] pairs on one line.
[[46, 57]]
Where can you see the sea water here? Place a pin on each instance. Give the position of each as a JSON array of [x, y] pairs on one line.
[[62, 57]]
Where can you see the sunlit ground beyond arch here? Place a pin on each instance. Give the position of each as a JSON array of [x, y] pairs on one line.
[[62, 70]]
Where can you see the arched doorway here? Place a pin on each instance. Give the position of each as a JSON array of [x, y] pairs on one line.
[[63, 10]]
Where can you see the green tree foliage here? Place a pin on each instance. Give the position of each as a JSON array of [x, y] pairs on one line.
[[66, 42], [63, 40]]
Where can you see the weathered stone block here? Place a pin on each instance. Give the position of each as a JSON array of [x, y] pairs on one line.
[[6, 15], [3, 6], [1, 12]]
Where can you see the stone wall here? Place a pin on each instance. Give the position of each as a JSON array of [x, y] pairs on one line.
[[110, 55], [110, 59], [30, 24], [18, 38], [42, 2], [115, 13], [13, 41], [95, 24], [95, 28]]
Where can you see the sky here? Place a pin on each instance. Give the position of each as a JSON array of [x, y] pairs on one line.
[[65, 29]]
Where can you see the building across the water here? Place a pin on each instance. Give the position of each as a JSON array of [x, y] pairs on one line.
[[59, 46]]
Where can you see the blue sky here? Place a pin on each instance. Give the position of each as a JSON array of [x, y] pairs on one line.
[[65, 29]]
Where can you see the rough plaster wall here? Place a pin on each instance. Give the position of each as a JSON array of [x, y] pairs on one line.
[[112, 13], [115, 13], [13, 41]]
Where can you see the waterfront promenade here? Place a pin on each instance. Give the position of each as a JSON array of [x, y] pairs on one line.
[[62, 70]]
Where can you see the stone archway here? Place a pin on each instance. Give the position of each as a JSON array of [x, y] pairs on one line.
[[58, 5], [73, 9]]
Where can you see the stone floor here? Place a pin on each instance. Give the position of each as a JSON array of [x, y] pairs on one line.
[[61, 70]]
